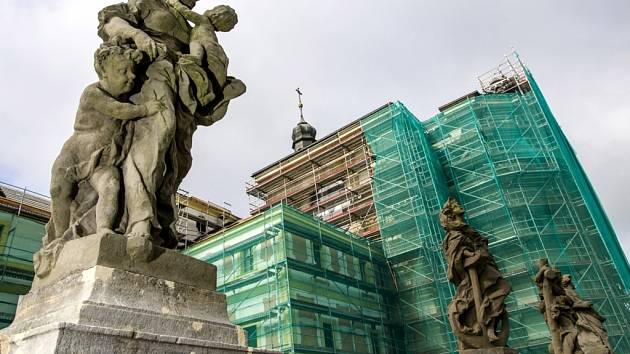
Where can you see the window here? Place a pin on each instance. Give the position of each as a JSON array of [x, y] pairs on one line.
[[317, 253], [328, 336], [248, 260], [202, 226], [252, 336]]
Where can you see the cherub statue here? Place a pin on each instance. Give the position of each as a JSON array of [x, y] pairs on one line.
[[477, 312], [94, 152], [204, 42]]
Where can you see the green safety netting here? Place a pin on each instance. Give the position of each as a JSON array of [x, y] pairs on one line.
[[20, 237], [299, 285], [504, 157]]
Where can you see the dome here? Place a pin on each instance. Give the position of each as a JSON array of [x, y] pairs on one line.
[[303, 135]]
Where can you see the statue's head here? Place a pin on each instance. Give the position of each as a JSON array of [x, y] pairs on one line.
[[223, 18], [566, 280], [114, 65], [452, 215], [543, 262]]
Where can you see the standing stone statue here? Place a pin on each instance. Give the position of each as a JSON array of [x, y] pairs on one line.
[[107, 278], [477, 312], [575, 327], [159, 78], [557, 309], [592, 336]]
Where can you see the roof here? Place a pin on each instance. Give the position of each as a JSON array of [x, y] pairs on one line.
[[319, 141]]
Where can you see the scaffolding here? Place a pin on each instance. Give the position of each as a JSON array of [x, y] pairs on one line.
[[330, 179], [299, 285], [23, 215], [197, 218], [512, 169], [501, 153], [408, 191]]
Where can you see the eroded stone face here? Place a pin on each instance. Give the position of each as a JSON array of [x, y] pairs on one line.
[[118, 76]]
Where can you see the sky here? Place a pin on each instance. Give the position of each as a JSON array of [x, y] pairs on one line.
[[348, 57]]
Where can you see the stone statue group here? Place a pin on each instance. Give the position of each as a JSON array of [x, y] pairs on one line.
[[478, 314], [162, 73]]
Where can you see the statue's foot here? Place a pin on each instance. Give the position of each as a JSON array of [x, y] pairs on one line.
[[104, 231], [492, 337], [139, 246]]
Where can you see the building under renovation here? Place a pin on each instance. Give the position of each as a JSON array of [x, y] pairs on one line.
[[23, 217], [297, 284], [502, 154]]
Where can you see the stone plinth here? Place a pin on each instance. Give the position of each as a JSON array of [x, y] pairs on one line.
[[97, 299], [488, 351]]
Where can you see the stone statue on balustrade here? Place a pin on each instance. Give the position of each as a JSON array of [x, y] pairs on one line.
[[159, 79], [107, 277], [477, 313], [575, 327]]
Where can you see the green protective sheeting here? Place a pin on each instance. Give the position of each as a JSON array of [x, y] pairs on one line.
[[20, 237], [504, 157], [299, 285]]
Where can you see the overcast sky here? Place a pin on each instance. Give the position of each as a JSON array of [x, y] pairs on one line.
[[348, 57]]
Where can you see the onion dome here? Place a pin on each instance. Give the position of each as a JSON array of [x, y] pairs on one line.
[[303, 135]]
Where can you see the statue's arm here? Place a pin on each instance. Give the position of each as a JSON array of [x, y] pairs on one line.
[[189, 14], [582, 304], [113, 108], [117, 27]]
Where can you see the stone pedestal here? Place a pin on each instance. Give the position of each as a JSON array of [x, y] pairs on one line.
[[97, 299], [488, 351]]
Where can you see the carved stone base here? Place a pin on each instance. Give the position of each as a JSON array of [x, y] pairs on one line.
[[488, 351], [97, 299]]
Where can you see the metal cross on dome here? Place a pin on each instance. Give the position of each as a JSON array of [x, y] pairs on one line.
[[300, 105]]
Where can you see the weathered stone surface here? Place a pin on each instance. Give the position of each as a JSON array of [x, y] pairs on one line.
[[159, 79], [495, 350], [67, 338], [109, 250], [575, 326], [477, 313], [97, 299]]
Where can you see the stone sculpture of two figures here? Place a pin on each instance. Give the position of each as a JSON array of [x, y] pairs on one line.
[[159, 78], [574, 325]]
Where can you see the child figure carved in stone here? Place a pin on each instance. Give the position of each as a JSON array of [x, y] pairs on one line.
[[94, 151], [204, 42]]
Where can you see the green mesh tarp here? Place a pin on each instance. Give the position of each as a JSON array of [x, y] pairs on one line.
[[506, 160], [408, 189], [299, 285], [20, 237]]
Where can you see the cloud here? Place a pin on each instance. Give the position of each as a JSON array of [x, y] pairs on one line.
[[348, 58]]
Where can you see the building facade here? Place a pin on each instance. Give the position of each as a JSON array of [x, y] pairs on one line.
[[23, 215], [502, 154], [300, 285]]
